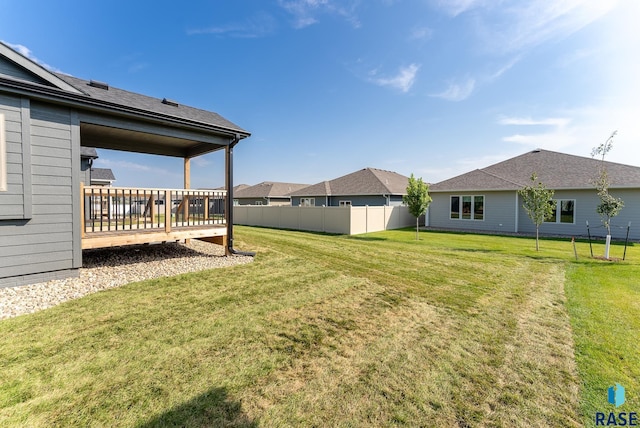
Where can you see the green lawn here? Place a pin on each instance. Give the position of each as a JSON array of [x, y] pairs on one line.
[[370, 330]]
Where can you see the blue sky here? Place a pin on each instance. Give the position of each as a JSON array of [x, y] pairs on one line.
[[327, 87]]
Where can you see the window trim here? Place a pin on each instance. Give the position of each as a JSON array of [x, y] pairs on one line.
[[472, 214], [558, 208], [344, 203], [3, 154], [310, 202]]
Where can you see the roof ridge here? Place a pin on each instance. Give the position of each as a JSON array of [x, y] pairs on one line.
[[499, 177], [327, 187], [385, 183]]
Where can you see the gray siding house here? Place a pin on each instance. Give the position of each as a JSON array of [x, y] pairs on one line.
[[46, 119], [368, 186], [266, 193], [89, 174], [487, 199]]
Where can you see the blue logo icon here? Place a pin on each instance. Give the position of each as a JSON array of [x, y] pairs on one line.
[[616, 395]]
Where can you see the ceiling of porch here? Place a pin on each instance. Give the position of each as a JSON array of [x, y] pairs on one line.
[[161, 142]]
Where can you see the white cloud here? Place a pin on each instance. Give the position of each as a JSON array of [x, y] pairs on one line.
[[259, 25], [404, 80], [25, 51], [550, 121], [614, 106], [560, 136], [462, 165], [201, 161], [457, 7], [421, 33], [305, 12], [107, 163], [551, 141], [457, 91], [522, 25], [502, 70]]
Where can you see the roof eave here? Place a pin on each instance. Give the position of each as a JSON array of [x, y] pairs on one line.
[[55, 95]]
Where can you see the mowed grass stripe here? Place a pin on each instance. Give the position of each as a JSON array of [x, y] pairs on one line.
[[320, 330]]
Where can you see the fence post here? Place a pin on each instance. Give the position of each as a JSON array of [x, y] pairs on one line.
[[323, 228], [384, 217]]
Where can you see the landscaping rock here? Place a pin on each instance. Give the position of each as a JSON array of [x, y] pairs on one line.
[[112, 267]]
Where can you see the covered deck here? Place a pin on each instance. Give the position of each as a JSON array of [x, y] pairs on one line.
[[116, 216]]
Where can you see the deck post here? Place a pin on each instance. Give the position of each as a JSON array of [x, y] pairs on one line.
[[167, 211], [187, 185], [83, 214], [228, 212]]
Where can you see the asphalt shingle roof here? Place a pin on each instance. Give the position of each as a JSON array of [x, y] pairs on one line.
[[367, 181], [102, 174], [142, 102], [555, 170], [268, 189], [88, 152]]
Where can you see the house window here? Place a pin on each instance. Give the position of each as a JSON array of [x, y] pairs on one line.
[[563, 211], [236, 202], [467, 208], [455, 207], [3, 155], [345, 203], [308, 202], [478, 207], [258, 203]]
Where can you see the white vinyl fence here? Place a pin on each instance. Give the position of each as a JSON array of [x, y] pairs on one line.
[[342, 220]]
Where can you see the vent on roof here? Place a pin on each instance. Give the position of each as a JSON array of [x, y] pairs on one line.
[[170, 102], [98, 84], [536, 151]]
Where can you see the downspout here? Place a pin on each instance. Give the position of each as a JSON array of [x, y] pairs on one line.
[[229, 207]]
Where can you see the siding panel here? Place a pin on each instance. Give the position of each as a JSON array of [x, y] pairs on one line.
[[499, 212], [45, 242], [12, 200], [9, 68], [585, 210]]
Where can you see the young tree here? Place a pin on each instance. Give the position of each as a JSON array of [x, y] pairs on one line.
[[609, 206], [417, 198], [537, 202]]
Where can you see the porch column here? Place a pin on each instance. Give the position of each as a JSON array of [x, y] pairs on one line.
[[228, 212], [187, 173], [187, 185]]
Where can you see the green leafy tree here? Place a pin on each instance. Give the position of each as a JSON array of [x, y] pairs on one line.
[[537, 202], [609, 206], [417, 198]]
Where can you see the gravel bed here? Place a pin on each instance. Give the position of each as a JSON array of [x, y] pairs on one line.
[[111, 267]]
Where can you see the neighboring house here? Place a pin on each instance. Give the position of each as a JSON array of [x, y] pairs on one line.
[[368, 186], [102, 177], [487, 199], [90, 175], [47, 121], [266, 193]]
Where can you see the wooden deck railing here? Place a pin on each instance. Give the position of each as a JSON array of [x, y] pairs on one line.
[[111, 209]]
